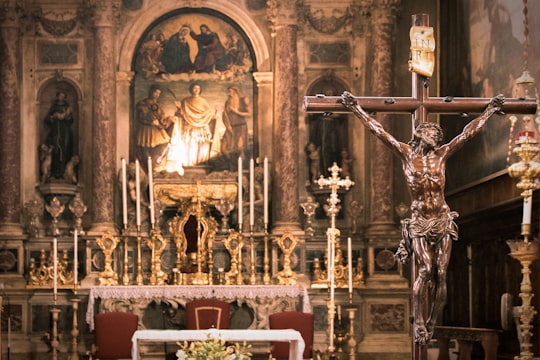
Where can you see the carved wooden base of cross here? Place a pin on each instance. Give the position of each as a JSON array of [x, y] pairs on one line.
[[419, 105]]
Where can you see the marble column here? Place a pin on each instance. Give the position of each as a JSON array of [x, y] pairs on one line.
[[104, 124], [285, 202], [10, 120], [381, 216]]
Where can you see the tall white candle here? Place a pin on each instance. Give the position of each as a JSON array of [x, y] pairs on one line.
[[75, 255], [137, 193], [240, 191], [55, 266], [151, 190], [265, 191], [527, 210], [124, 193], [349, 262], [251, 192]]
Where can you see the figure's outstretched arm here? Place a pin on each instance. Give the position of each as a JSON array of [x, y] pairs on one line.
[[350, 102], [474, 127]]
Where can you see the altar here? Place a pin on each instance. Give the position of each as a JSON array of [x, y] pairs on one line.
[[262, 300]]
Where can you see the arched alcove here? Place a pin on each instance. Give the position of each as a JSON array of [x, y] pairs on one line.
[[58, 128], [328, 133]]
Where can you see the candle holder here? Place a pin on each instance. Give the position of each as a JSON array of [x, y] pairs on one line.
[[252, 271], [139, 277], [352, 341], [74, 355], [266, 268], [125, 272], [55, 340]]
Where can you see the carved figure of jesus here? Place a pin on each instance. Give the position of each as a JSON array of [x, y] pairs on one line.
[[429, 232]]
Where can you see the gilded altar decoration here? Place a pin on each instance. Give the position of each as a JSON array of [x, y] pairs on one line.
[[422, 59], [42, 275], [287, 242], [194, 231], [234, 243], [107, 243], [157, 244]]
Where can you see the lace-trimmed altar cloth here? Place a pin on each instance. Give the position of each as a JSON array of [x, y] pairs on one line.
[[294, 337], [189, 292]]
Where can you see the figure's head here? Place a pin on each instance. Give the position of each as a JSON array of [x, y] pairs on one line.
[[195, 89], [154, 91], [429, 133]]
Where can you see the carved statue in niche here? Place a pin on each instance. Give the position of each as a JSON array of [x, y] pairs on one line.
[[60, 140], [328, 132]]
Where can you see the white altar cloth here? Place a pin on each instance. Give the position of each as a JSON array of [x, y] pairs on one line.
[[294, 337], [225, 292]]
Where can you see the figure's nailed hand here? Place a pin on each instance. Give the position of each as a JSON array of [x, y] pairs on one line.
[[497, 102], [347, 99]]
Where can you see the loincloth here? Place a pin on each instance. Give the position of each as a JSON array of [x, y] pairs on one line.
[[432, 230]]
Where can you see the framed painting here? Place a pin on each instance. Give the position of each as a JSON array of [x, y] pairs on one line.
[[496, 60], [192, 94]]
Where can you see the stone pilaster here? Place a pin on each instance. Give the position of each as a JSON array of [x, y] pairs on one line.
[[381, 216], [104, 124], [286, 215], [10, 120]]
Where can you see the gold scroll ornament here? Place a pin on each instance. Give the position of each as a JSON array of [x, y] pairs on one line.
[[422, 59]]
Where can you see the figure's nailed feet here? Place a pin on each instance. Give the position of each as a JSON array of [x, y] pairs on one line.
[[421, 335]]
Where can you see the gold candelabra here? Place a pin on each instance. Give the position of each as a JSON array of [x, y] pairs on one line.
[[527, 171]]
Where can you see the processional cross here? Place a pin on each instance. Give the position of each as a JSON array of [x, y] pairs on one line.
[[419, 105]]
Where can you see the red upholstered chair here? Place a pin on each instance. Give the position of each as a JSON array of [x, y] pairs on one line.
[[296, 320], [112, 335], [206, 314]]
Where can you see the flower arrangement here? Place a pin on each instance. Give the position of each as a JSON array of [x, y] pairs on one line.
[[212, 349]]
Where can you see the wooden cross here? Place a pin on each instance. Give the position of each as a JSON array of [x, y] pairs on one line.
[[420, 105]]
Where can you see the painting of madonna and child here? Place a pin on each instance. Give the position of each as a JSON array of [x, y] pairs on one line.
[[192, 104]]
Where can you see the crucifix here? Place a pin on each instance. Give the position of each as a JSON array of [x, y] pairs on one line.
[[431, 228]]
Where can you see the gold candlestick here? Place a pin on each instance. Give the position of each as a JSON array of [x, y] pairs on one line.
[[74, 355], [54, 337], [125, 273], [252, 273], [266, 269], [352, 341], [139, 278]]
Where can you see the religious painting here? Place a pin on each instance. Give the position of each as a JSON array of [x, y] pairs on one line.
[[497, 60], [192, 103]]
